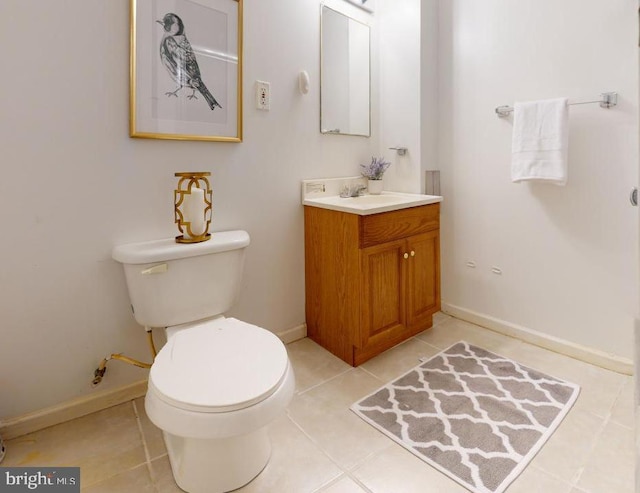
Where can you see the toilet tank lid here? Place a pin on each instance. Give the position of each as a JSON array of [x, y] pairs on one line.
[[147, 252]]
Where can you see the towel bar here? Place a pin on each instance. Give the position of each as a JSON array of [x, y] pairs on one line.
[[607, 100]]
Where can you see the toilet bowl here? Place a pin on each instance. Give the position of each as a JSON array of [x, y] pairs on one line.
[[213, 389], [218, 382]]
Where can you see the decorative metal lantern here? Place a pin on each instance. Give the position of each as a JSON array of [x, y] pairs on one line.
[[192, 206]]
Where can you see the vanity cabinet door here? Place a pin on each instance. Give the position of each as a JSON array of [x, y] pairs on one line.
[[383, 292], [423, 278], [400, 288], [365, 290]]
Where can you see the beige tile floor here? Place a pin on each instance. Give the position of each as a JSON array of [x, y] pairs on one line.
[[320, 446]]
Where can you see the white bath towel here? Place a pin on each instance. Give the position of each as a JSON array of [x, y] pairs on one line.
[[540, 141]]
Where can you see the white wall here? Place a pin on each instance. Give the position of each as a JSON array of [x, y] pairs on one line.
[[74, 185], [568, 255], [399, 100], [429, 90]]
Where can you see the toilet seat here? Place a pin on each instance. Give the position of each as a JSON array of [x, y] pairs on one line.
[[218, 365]]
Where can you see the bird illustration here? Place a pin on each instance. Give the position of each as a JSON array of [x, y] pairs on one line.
[[180, 61]]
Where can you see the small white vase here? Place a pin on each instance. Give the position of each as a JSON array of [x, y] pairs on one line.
[[375, 187]]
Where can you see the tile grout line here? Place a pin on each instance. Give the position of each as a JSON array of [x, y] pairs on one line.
[[419, 360], [322, 451], [315, 386], [358, 482], [422, 341], [345, 471], [348, 472], [605, 421], [448, 317], [146, 463], [143, 440], [334, 481], [371, 374], [565, 482], [351, 471], [633, 406]]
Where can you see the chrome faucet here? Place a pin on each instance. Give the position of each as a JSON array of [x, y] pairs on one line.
[[352, 191], [358, 190]]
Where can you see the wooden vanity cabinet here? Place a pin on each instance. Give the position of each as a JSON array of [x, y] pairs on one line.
[[371, 281]]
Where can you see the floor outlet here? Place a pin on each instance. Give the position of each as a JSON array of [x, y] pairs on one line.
[[263, 95]]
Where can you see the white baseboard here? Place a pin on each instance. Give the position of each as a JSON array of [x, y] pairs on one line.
[[562, 346], [294, 334], [66, 411]]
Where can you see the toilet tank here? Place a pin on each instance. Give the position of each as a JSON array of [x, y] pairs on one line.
[[173, 283]]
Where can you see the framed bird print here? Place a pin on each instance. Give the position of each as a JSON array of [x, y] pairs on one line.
[[186, 70]]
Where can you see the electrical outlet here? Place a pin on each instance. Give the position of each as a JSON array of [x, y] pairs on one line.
[[263, 95]]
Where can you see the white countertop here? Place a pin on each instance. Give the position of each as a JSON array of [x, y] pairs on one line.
[[372, 204]]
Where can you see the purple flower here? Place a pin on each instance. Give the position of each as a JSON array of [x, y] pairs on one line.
[[376, 169]]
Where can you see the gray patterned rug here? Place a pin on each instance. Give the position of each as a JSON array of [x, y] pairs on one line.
[[475, 416]]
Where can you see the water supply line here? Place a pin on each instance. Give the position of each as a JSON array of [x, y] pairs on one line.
[[102, 368]]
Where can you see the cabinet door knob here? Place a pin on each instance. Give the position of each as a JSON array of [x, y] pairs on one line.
[[413, 254], [406, 255]]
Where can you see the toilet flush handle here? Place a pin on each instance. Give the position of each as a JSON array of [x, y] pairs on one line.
[[156, 269]]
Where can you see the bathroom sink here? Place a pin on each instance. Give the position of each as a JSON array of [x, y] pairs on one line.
[[368, 200], [372, 204]]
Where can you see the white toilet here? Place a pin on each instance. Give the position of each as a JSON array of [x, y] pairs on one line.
[[218, 382]]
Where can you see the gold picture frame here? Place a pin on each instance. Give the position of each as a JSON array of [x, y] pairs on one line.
[[186, 70]]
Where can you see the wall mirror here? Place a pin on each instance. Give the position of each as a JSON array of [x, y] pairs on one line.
[[344, 75]]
